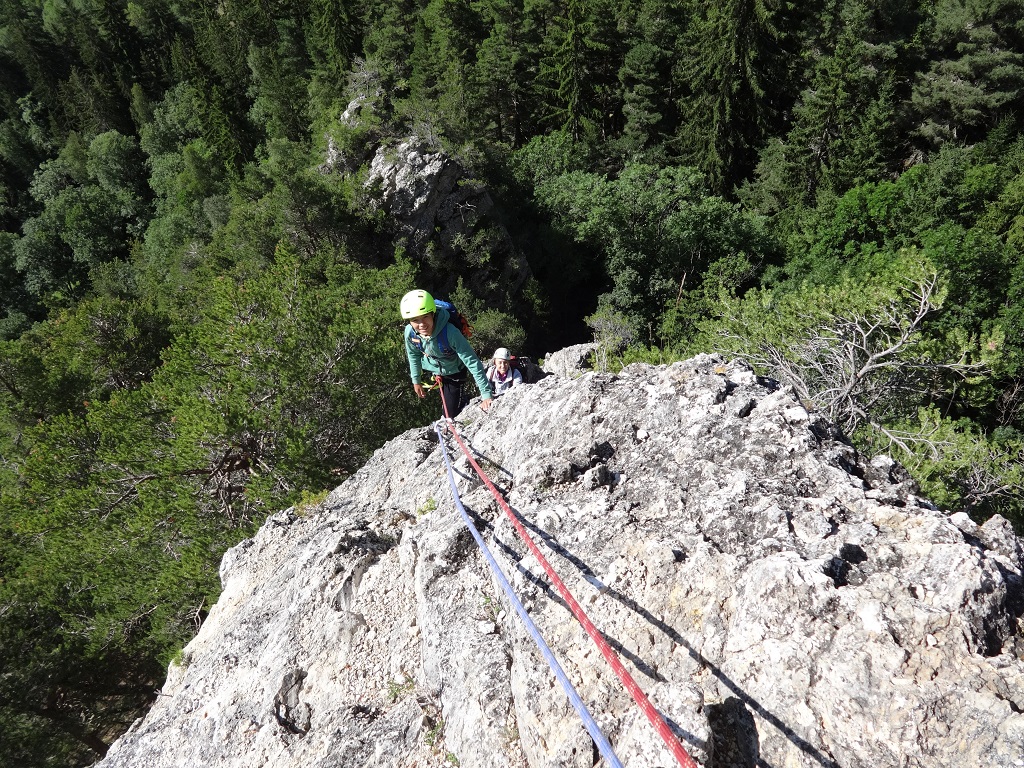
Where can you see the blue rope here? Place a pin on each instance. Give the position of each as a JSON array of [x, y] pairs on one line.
[[581, 709]]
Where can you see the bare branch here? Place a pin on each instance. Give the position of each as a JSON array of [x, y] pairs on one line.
[[863, 369]]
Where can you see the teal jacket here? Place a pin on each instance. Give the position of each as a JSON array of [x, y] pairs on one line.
[[431, 360]]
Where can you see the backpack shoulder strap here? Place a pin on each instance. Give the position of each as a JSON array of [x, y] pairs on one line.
[[414, 337]]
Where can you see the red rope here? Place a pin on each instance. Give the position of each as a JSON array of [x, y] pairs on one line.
[[606, 650], [440, 390]]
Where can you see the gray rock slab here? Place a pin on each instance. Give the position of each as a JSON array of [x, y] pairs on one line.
[[781, 601]]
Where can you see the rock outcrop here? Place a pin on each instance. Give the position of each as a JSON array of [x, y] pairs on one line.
[[442, 213], [439, 212], [780, 600], [571, 362]]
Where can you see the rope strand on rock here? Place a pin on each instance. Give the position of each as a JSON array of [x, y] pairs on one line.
[[603, 746], [655, 717]]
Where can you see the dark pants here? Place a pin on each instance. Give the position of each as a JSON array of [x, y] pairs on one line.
[[453, 392]]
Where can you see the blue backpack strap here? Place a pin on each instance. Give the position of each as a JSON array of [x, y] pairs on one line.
[[442, 341], [414, 337]]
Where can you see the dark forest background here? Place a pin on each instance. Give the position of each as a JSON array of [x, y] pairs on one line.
[[198, 319]]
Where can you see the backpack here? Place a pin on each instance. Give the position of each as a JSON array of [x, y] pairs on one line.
[[455, 318], [529, 370]]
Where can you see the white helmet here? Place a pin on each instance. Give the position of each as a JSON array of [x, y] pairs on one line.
[[501, 354]]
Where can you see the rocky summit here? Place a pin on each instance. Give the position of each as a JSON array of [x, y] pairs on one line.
[[783, 601]]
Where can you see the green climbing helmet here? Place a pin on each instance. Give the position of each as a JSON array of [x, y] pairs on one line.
[[416, 303]]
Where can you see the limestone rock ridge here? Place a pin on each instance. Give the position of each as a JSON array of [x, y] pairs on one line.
[[782, 600]]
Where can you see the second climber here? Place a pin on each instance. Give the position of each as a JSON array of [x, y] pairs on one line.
[[501, 374]]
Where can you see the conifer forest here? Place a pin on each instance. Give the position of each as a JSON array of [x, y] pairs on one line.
[[199, 313]]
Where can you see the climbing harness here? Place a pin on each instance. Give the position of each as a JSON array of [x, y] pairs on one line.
[[655, 717], [431, 382], [581, 709]]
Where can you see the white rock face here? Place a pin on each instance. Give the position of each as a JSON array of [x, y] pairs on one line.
[[415, 182], [438, 208], [780, 601], [571, 361]]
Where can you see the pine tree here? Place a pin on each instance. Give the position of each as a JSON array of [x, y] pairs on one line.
[[333, 33], [732, 74], [501, 74], [976, 76], [388, 44], [279, 72], [570, 72], [640, 78], [845, 120], [645, 78], [444, 52], [43, 64]]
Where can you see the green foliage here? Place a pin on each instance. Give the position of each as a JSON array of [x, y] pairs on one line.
[[681, 320], [571, 71], [92, 204], [389, 40], [976, 74], [186, 171], [845, 119], [950, 210], [502, 73], [332, 34], [649, 355], [444, 40], [549, 156], [276, 366], [120, 508], [640, 73], [960, 468], [855, 348], [353, 136], [397, 690], [612, 333], [1011, 317], [435, 734], [492, 328], [278, 73], [309, 502], [862, 351], [17, 303], [80, 355], [657, 229]]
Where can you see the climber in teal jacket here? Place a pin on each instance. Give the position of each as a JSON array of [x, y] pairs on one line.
[[436, 346]]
